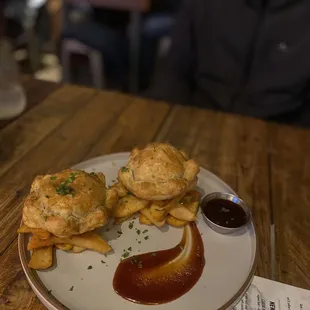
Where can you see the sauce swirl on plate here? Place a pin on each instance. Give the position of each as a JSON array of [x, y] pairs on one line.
[[162, 276]]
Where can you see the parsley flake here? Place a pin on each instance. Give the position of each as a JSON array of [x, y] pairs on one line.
[[130, 226], [138, 231], [129, 249], [126, 254], [90, 267], [71, 288], [147, 237], [125, 169], [64, 189], [119, 232], [102, 262], [153, 254], [144, 231], [53, 177]]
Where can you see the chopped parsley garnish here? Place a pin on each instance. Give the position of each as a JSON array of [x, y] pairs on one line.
[[130, 226], [71, 288], [50, 292], [145, 238], [144, 231], [93, 173], [139, 242], [138, 231], [153, 254], [90, 267], [102, 262], [126, 254], [129, 193], [119, 232], [129, 249], [53, 177], [64, 189], [125, 169]]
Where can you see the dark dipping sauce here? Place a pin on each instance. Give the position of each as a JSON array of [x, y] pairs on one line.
[[225, 213], [163, 276]]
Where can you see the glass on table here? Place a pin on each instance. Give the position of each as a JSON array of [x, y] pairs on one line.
[[12, 96]]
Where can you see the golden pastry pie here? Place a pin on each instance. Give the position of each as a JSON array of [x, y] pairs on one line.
[[158, 172], [67, 203]]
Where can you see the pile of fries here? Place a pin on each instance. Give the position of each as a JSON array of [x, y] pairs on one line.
[[42, 244], [176, 212]]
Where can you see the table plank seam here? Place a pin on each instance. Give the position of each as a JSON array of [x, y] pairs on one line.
[[7, 123], [47, 135], [161, 125], [104, 130]]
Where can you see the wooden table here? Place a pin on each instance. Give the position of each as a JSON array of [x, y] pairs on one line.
[[267, 164]]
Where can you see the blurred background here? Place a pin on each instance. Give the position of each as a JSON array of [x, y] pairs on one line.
[[110, 44]]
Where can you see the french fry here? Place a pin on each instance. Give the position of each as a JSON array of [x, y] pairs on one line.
[[172, 221], [129, 205], [144, 220], [183, 214], [186, 208], [77, 249], [64, 247], [112, 198], [162, 203], [89, 240], [158, 213], [173, 203], [120, 220], [41, 258], [146, 212], [41, 233], [121, 189]]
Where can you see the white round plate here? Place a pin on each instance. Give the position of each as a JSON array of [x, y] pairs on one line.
[[230, 260]]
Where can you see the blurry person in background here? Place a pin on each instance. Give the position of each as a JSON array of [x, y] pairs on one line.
[[248, 57], [103, 30], [106, 31], [157, 24]]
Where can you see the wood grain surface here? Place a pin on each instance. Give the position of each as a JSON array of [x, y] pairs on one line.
[[266, 164]]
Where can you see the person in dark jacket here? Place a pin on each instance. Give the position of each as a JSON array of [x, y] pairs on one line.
[[248, 57], [106, 31]]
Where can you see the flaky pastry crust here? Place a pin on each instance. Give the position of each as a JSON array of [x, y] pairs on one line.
[[67, 203], [158, 172]]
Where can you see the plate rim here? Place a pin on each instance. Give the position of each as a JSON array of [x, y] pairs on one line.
[[41, 291]]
